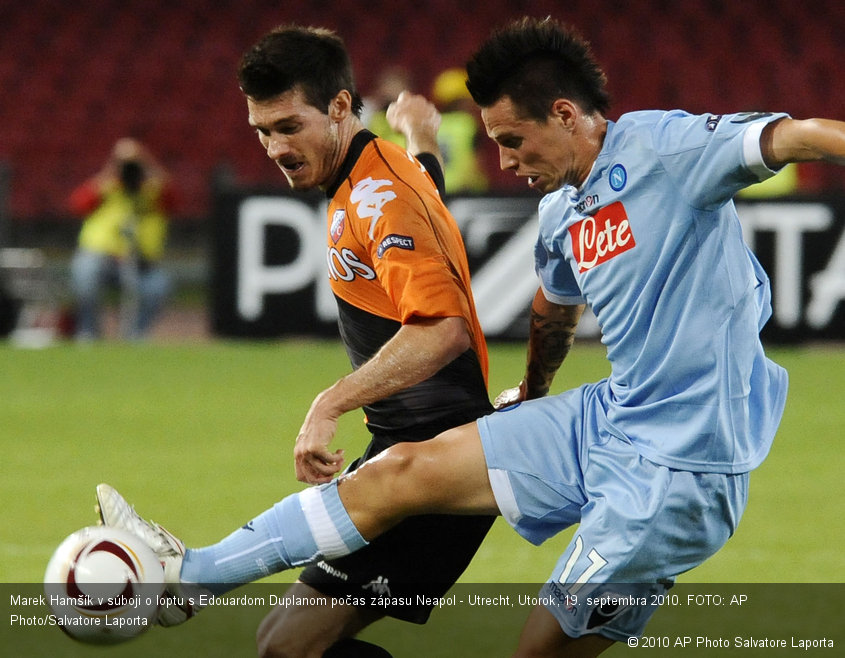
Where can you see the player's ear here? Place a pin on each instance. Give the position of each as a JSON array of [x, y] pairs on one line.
[[340, 106], [566, 111]]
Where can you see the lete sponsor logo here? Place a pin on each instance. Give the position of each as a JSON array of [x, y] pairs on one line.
[[598, 238]]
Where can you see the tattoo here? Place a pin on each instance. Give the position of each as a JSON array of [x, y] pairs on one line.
[[551, 337]]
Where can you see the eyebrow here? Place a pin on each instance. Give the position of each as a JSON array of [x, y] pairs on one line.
[[504, 136], [293, 118]]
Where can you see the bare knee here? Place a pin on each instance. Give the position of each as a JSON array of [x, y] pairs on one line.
[[445, 475], [267, 638], [307, 631], [274, 639], [393, 476], [290, 632], [264, 637], [405, 463]]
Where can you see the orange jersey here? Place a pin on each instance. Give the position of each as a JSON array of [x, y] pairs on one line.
[[395, 253]]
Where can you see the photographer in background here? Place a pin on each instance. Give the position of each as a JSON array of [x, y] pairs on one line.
[[121, 243]]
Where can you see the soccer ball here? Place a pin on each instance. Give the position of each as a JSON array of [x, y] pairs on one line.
[[103, 585]]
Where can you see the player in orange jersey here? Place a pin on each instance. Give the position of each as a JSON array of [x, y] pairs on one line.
[[398, 269]]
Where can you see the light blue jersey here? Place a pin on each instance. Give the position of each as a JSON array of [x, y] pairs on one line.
[[653, 462], [652, 242]]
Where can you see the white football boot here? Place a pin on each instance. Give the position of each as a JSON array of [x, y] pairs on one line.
[[114, 511]]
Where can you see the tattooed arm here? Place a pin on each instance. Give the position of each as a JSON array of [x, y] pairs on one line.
[[551, 335]]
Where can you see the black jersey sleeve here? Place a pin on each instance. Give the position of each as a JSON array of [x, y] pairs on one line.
[[432, 166]]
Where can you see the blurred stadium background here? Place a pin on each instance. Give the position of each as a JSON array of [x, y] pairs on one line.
[[76, 77]]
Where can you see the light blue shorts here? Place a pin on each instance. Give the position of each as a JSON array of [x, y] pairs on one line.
[[554, 462]]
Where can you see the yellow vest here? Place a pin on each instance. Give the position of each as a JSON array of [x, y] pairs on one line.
[[121, 221], [457, 139], [781, 184]]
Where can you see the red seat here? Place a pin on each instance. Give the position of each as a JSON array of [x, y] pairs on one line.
[[97, 72]]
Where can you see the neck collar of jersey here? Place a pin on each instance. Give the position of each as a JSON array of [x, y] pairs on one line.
[[356, 146]]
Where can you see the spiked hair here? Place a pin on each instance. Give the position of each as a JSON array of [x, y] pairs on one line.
[[534, 62]]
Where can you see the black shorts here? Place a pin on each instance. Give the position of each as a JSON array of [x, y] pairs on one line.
[[402, 570]]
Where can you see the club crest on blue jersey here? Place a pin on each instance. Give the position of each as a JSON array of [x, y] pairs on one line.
[[395, 240], [337, 225], [618, 177]]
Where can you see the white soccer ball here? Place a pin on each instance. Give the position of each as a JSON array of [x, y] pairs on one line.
[[103, 585]]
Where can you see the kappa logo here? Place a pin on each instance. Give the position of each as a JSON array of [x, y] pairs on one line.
[[370, 198], [598, 238], [337, 225], [379, 586], [329, 569]]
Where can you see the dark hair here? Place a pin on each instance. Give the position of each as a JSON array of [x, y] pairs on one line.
[[534, 62], [313, 58]]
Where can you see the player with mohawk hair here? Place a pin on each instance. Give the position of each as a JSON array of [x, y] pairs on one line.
[[652, 463]]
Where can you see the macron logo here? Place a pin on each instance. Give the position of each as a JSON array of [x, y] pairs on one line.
[[598, 238]]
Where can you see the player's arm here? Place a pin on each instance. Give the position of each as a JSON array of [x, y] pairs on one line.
[[418, 120], [551, 334], [420, 348], [794, 140]]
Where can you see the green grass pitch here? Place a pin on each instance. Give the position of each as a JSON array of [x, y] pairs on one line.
[[200, 436]]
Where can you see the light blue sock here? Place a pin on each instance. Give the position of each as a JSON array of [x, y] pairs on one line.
[[302, 528]]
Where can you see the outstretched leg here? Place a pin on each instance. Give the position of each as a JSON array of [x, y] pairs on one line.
[[310, 629], [446, 475]]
